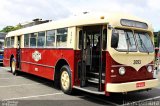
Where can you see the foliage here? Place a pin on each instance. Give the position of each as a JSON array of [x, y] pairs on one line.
[[157, 39], [11, 28]]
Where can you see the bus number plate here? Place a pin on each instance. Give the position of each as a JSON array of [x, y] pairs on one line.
[[140, 84]]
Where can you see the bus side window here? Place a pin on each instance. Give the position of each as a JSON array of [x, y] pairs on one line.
[[12, 41], [50, 38], [104, 39], [26, 40], [33, 39], [41, 39], [62, 37], [8, 42]]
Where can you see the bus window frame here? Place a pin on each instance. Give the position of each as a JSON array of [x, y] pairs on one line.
[[45, 44], [8, 46], [61, 35], [37, 46], [149, 34], [54, 39], [127, 50], [12, 45], [28, 40], [35, 33]]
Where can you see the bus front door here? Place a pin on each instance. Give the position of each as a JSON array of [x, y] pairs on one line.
[[91, 50]]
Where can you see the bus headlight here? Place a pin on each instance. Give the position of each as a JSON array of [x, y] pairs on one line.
[[122, 71], [149, 68]]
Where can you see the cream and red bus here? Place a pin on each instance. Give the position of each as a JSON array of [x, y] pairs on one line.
[[100, 54]]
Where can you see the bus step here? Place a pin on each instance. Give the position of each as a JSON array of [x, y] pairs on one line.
[[94, 80], [90, 90], [95, 75]]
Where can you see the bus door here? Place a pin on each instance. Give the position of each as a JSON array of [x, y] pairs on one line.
[[91, 64], [18, 51]]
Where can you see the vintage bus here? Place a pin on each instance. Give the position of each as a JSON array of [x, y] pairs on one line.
[[2, 36], [100, 54]]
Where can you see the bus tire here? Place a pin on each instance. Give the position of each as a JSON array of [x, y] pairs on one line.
[[13, 67], [65, 79]]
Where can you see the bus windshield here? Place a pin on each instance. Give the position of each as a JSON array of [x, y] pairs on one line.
[[127, 41], [144, 42]]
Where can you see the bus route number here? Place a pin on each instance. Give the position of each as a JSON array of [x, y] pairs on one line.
[[137, 62]]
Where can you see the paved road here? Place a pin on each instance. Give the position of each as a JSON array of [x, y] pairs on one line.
[[26, 89]]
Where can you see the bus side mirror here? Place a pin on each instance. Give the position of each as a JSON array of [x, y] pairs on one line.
[[114, 40]]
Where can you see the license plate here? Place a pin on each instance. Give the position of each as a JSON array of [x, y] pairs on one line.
[[140, 84]]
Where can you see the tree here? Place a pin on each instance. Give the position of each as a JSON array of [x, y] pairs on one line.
[[7, 29], [19, 26], [11, 28], [156, 38]]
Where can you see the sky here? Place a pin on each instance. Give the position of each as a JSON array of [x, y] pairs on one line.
[[13, 12]]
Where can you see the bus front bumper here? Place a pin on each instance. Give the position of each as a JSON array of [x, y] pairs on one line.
[[131, 86]]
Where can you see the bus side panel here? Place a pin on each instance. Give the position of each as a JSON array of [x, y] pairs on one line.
[[46, 61], [38, 70], [77, 60], [7, 55], [68, 55], [108, 70]]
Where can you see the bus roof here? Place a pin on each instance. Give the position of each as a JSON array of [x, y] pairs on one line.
[[86, 19]]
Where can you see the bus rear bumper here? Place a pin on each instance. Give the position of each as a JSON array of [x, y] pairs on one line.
[[131, 86]]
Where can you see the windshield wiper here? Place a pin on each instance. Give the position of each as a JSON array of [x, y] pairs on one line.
[[130, 44], [143, 46], [128, 41]]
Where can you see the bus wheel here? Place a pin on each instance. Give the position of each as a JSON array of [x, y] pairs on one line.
[[65, 79], [13, 67]]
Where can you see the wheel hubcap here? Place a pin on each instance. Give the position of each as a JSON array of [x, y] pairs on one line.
[[65, 80], [13, 66]]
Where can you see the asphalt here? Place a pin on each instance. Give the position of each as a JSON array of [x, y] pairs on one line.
[[30, 90]]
